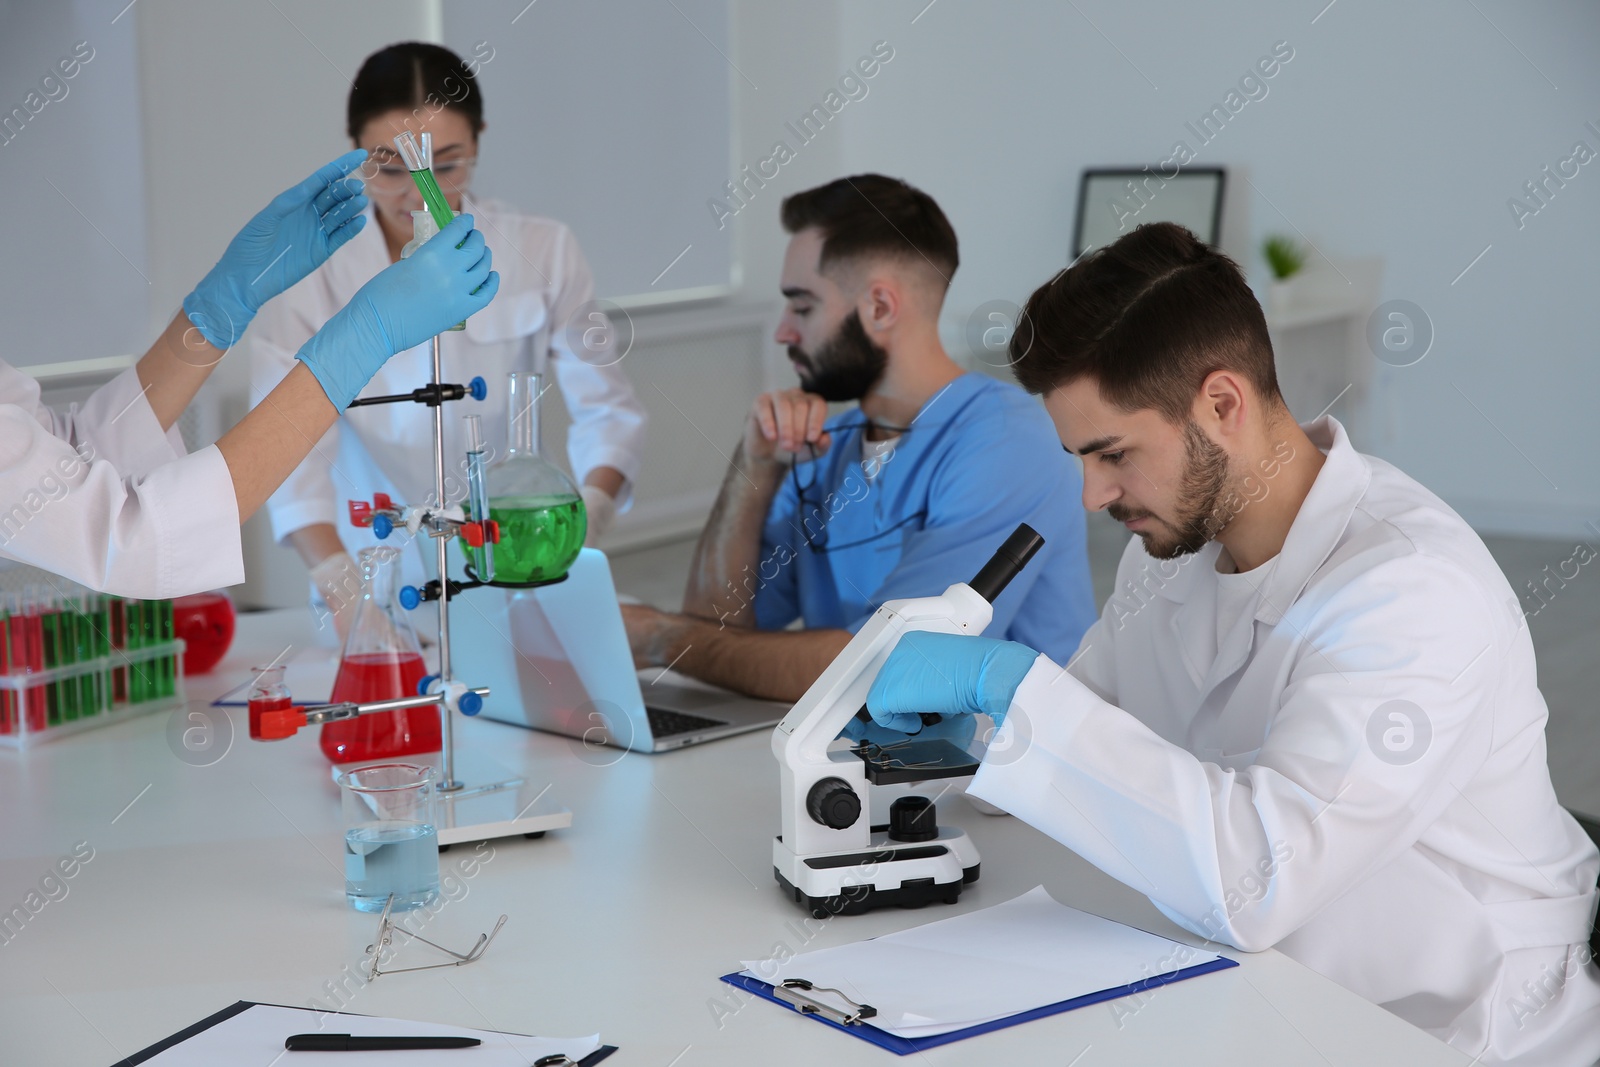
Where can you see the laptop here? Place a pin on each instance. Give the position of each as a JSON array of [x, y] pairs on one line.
[[556, 658]]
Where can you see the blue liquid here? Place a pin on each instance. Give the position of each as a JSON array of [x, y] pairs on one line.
[[396, 857]]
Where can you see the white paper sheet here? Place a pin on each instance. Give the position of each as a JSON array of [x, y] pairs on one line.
[[985, 965], [254, 1038]]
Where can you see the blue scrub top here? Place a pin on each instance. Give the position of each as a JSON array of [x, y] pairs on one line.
[[980, 457]]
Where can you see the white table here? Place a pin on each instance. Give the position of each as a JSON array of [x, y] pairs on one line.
[[211, 884]]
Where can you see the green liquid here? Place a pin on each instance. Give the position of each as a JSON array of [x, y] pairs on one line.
[[539, 536], [433, 197]]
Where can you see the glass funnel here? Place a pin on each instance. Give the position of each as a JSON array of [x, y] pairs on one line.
[[381, 660], [540, 513]]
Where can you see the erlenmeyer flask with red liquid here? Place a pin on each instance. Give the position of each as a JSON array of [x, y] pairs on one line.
[[381, 660]]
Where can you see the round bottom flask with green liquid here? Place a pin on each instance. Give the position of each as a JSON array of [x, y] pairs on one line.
[[538, 508]]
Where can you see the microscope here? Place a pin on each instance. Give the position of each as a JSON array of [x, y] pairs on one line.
[[830, 858]]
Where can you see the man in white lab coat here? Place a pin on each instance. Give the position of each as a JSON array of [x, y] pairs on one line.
[[1308, 717]]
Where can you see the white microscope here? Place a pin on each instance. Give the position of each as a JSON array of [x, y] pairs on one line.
[[829, 857]]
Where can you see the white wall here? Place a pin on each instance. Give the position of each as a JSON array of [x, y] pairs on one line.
[[1397, 130], [73, 277], [1394, 132]]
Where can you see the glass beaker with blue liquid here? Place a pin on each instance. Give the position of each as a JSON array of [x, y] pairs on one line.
[[391, 845]]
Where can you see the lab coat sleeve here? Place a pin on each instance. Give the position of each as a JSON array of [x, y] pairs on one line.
[[164, 533], [115, 424], [608, 422], [307, 496], [1319, 810]]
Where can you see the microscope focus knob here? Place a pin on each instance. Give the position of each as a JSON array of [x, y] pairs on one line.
[[833, 803], [913, 819]]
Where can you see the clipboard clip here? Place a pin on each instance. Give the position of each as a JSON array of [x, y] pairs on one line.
[[790, 992]]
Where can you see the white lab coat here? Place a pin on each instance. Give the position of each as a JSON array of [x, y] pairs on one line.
[[1260, 797], [537, 322], [102, 496]]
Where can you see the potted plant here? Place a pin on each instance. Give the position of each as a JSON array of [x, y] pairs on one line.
[[1285, 257]]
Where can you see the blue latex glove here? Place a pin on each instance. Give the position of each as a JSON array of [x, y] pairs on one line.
[[405, 304], [948, 674], [287, 240]]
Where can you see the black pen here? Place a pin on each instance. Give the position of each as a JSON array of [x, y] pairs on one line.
[[347, 1043]]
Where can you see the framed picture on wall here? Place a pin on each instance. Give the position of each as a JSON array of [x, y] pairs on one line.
[[1113, 200]]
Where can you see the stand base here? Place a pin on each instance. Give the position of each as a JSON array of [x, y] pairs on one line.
[[493, 802]]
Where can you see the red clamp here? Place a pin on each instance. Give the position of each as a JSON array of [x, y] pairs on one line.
[[477, 534], [277, 725], [361, 512]]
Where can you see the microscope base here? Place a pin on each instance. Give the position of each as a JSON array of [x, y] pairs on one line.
[[859, 899], [891, 874]]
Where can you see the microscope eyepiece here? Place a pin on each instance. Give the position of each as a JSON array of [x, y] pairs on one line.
[[1007, 561]]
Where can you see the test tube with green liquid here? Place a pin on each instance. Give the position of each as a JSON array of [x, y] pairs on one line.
[[169, 662], [418, 157], [417, 154]]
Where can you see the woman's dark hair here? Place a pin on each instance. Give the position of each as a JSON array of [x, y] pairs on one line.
[[417, 77], [870, 215], [1148, 317]]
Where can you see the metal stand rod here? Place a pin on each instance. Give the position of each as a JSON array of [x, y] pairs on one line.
[[447, 754]]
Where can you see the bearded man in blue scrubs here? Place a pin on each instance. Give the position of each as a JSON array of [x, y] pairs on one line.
[[822, 519]]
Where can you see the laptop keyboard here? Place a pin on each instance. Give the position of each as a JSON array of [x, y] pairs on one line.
[[668, 723]]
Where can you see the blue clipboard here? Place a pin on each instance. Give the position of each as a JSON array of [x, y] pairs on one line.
[[904, 1046]]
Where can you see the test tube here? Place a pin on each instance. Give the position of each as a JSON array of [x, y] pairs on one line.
[[478, 496], [418, 157], [8, 698], [117, 613], [169, 662], [82, 652], [50, 654]]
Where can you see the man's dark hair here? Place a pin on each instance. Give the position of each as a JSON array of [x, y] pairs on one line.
[[412, 75], [1148, 317], [868, 216]]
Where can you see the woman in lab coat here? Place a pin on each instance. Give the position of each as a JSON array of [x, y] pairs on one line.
[[1308, 716], [546, 321], [104, 494]]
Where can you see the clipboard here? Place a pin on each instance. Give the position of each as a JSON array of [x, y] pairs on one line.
[[805, 1004], [244, 1005]]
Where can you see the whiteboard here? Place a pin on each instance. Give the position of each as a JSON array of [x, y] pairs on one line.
[[616, 118]]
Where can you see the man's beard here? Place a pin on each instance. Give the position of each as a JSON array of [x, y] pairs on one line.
[[1200, 490], [845, 366]]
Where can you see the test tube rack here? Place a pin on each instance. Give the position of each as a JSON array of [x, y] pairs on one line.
[[109, 664]]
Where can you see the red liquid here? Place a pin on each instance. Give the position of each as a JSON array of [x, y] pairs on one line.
[[33, 635], [8, 699], [259, 707], [380, 676]]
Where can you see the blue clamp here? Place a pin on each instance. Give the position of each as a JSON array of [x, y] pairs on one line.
[[478, 389], [382, 526], [470, 703], [410, 597], [424, 682]]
